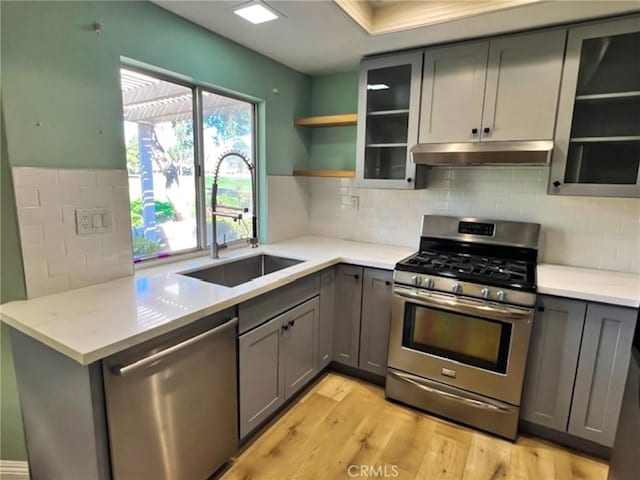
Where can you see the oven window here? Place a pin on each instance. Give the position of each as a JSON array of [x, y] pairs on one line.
[[471, 340]]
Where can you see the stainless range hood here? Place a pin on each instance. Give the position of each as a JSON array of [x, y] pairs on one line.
[[483, 153]]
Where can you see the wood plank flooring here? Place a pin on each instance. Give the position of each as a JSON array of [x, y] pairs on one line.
[[341, 422]]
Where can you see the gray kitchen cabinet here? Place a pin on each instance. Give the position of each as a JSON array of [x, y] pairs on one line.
[[260, 373], [362, 317], [388, 111], [577, 367], [452, 93], [377, 290], [597, 142], [522, 87], [325, 323], [602, 372], [552, 362], [276, 360], [346, 322], [502, 89], [300, 346]]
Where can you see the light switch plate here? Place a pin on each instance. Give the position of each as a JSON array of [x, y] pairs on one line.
[[93, 220]]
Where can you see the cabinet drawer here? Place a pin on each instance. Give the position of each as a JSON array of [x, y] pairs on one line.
[[260, 309]]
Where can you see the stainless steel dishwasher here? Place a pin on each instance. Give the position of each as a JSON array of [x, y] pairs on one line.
[[172, 403]]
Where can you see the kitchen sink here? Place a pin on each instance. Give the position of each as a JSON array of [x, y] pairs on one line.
[[235, 273]]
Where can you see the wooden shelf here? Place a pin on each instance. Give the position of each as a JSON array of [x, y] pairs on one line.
[[325, 173], [327, 120]]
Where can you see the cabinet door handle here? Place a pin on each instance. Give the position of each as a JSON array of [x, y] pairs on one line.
[[356, 276], [409, 180], [486, 130], [292, 323], [474, 131], [387, 283], [556, 184], [285, 327]]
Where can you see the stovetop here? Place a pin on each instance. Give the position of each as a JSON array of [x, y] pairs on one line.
[[486, 270]]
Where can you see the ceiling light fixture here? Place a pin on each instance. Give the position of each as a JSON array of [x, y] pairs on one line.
[[256, 12], [377, 86]]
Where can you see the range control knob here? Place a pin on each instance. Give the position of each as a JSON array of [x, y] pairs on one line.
[[501, 295], [485, 293], [428, 283], [456, 288], [415, 280]]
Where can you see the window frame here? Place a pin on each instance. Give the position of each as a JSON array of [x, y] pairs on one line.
[[197, 89]]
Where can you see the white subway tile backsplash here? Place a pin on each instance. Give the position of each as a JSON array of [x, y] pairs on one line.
[[55, 257], [27, 197], [58, 195], [31, 234], [98, 196], [66, 265], [579, 231], [39, 215], [77, 178], [34, 176]]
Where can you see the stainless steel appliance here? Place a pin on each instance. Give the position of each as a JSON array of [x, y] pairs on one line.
[[461, 320], [172, 404], [626, 448]]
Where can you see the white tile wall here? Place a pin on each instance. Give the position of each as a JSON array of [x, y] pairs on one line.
[[55, 257], [288, 213], [602, 233]]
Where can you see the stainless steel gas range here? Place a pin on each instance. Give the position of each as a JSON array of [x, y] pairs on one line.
[[461, 320]]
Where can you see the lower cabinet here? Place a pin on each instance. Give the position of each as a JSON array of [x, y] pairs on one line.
[[553, 359], [376, 318], [346, 318], [602, 372], [362, 317], [276, 360], [577, 366], [327, 309]]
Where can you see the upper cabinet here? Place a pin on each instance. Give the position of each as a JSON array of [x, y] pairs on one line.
[[597, 145], [388, 104], [503, 89]]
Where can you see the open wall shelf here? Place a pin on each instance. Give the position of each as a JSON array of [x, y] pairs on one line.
[[327, 120], [325, 173]]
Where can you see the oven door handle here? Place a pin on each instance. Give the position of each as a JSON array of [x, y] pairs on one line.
[[463, 305], [451, 396]]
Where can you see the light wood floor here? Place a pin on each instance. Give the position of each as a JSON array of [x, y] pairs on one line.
[[342, 421]]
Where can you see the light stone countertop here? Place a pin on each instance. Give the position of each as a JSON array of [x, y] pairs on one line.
[[92, 323], [603, 286]]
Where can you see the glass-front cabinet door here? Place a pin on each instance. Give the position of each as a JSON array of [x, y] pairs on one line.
[[388, 104], [597, 148]]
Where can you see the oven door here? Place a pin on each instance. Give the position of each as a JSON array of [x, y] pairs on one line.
[[475, 345]]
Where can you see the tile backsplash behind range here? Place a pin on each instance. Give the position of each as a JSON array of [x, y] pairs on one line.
[[55, 257], [587, 232]]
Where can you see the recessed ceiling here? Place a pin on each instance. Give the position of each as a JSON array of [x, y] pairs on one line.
[[378, 17], [318, 37]]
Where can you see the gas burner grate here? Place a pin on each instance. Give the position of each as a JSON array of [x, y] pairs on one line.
[[512, 271]]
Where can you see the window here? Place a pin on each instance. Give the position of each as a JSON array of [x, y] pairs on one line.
[[184, 142]]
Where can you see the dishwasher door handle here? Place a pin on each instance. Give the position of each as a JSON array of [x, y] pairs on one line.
[[124, 369]]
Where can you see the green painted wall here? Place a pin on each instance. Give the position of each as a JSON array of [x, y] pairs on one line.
[[56, 71], [333, 148], [11, 288]]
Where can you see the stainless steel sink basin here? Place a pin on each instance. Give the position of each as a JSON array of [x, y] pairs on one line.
[[241, 271]]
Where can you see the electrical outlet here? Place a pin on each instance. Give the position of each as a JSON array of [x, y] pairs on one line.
[[83, 221], [93, 220]]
